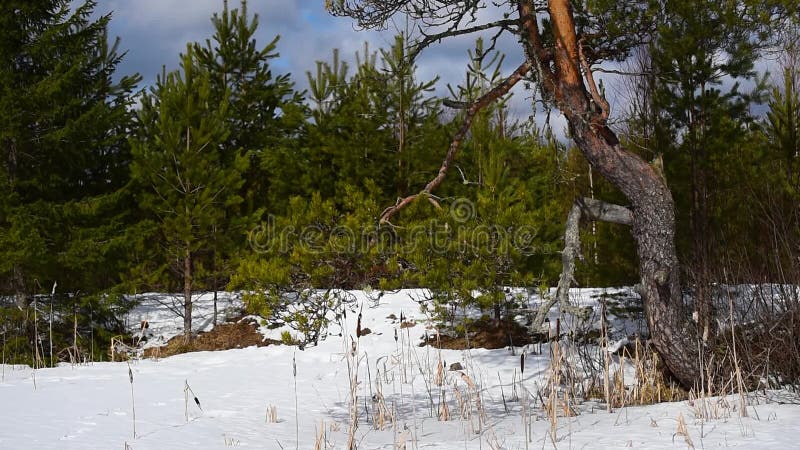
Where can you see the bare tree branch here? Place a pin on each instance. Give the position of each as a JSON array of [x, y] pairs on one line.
[[535, 49], [590, 209], [429, 39], [598, 98], [455, 104], [375, 14], [623, 72], [473, 109]]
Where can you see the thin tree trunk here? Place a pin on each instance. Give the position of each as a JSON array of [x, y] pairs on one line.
[[18, 284], [700, 229], [215, 301], [11, 162], [187, 294], [214, 278]]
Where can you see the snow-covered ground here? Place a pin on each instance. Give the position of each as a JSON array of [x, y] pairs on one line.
[[92, 406]]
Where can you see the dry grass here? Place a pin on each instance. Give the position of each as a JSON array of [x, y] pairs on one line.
[[485, 333], [648, 384], [224, 336], [683, 432], [320, 441], [272, 414]]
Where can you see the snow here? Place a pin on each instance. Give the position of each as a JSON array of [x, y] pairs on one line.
[[90, 406], [159, 311]]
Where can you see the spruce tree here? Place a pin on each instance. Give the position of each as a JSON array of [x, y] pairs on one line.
[[64, 154]]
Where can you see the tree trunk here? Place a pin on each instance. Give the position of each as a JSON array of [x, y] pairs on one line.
[[18, 284], [700, 229], [187, 295], [653, 229], [564, 79], [653, 223], [214, 277]]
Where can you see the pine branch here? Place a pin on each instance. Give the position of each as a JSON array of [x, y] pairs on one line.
[[455, 145]]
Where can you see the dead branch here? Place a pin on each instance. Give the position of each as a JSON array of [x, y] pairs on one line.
[[598, 98], [486, 99], [455, 104], [590, 209], [372, 14], [429, 39]]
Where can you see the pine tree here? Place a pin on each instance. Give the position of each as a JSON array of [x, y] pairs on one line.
[[266, 114], [177, 160], [783, 126], [373, 124], [351, 139], [408, 107], [300, 257], [487, 233], [697, 46]]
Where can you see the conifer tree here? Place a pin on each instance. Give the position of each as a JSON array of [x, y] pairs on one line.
[[696, 46], [63, 155], [371, 124], [301, 257], [62, 129], [486, 235], [266, 114], [351, 137], [783, 127], [560, 42], [409, 108], [177, 161]]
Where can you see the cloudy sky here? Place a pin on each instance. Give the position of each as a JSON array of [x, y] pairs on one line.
[[154, 32]]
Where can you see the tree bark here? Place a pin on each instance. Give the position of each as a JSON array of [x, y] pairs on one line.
[[653, 229]]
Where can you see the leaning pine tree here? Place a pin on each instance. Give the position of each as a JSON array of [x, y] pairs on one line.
[[560, 41], [176, 162]]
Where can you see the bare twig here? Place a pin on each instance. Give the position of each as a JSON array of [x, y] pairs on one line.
[[429, 39]]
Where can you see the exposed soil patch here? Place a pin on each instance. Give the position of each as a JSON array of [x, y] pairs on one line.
[[225, 336], [485, 333]]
